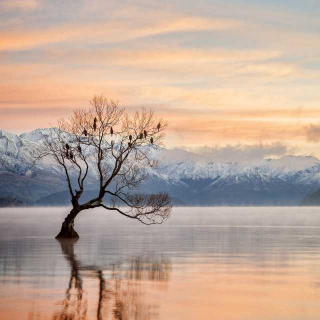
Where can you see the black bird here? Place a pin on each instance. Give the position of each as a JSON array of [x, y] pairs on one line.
[[71, 155], [145, 133], [95, 124], [130, 137], [85, 132], [151, 140], [158, 126], [111, 131], [67, 146]]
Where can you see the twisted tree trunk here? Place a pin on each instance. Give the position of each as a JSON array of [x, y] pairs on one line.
[[67, 228]]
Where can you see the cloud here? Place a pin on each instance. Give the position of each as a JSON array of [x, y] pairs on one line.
[[244, 153], [160, 55], [274, 69], [313, 133], [213, 98], [113, 31], [174, 61], [19, 4], [220, 74]]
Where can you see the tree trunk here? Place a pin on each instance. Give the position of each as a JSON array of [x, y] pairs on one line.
[[67, 228]]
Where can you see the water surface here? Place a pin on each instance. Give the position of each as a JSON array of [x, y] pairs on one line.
[[204, 263]]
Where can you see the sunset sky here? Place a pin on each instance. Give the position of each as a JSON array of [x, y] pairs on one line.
[[238, 73]]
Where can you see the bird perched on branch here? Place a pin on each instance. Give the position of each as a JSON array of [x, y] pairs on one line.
[[95, 124], [158, 126]]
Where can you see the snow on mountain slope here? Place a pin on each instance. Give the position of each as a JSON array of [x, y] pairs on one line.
[[13, 146], [191, 177], [37, 135], [182, 164], [176, 164], [179, 163], [17, 154]]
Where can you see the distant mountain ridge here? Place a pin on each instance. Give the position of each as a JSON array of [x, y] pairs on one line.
[[190, 178], [311, 200]]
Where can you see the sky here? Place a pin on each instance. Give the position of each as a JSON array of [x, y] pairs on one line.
[[236, 74]]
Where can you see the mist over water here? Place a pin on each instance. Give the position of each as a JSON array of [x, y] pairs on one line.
[[203, 263]]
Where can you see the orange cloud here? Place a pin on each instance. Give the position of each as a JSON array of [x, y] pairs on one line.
[[312, 132], [111, 31], [209, 94], [19, 4], [162, 57], [188, 127]]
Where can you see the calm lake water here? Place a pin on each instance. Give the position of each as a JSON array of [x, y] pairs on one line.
[[203, 263]]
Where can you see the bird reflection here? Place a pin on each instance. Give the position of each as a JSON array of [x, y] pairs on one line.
[[119, 293]]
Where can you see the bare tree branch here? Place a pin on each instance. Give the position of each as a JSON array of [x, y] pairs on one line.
[[115, 147]]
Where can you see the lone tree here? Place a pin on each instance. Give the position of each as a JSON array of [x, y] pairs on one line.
[[117, 149]]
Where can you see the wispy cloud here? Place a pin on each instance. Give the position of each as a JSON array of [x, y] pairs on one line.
[[112, 31], [161, 56], [19, 4], [220, 73], [313, 133], [244, 153]]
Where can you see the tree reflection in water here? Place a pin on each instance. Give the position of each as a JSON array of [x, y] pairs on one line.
[[120, 288]]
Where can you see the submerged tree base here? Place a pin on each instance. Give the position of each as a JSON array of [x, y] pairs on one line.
[[67, 228], [67, 233]]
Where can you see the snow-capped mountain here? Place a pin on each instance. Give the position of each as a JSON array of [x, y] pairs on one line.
[[192, 178]]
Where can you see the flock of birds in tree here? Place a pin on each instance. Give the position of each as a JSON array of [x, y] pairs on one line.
[[69, 154]]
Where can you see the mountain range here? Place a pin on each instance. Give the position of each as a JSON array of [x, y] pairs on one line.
[[190, 178]]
